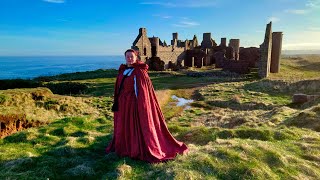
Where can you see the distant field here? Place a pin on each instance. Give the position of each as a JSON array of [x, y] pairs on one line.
[[298, 67]]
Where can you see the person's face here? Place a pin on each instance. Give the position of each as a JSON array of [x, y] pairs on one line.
[[130, 58]]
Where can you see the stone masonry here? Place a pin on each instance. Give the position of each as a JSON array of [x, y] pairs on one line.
[[142, 44], [189, 53], [207, 41], [265, 53], [276, 52], [235, 44]]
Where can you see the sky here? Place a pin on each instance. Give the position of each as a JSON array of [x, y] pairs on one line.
[[98, 27]]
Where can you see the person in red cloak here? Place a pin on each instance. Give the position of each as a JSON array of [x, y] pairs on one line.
[[140, 131]]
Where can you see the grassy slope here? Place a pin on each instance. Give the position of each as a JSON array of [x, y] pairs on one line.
[[234, 130]]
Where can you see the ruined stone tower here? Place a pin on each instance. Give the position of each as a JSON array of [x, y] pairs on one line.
[[174, 38], [154, 46], [223, 42], [276, 52], [207, 41], [235, 44], [265, 53], [142, 44]]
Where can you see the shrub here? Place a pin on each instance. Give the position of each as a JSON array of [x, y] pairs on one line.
[[3, 98], [50, 104], [18, 83], [67, 88]]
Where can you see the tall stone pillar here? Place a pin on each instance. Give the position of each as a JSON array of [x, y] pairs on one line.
[[223, 42], [207, 41], [235, 44], [154, 46], [276, 52], [174, 38], [265, 53], [192, 62]]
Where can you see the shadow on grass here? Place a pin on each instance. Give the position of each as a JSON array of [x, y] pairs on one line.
[[276, 87], [311, 66], [64, 153], [240, 106], [100, 73]]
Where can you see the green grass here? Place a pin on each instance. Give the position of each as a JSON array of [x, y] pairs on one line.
[[74, 148], [3, 98], [298, 67]]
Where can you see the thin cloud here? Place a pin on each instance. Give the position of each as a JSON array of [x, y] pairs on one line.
[[55, 1], [313, 4], [301, 40], [297, 11], [62, 20], [274, 19], [184, 18], [309, 6], [317, 29], [162, 16], [296, 46], [166, 17], [186, 24], [183, 3], [159, 3]]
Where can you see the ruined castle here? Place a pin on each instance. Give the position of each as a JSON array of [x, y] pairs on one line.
[[190, 53]]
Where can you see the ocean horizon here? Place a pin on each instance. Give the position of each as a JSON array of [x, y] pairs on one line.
[[29, 67]]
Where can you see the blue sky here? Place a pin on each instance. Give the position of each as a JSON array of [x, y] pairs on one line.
[[97, 27]]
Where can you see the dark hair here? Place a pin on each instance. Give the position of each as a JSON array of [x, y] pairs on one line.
[[131, 50], [134, 51]]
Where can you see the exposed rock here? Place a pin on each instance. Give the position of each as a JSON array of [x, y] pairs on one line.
[[303, 98], [12, 123]]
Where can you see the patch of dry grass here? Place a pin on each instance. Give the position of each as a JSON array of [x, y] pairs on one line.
[[299, 67], [42, 105], [308, 118]]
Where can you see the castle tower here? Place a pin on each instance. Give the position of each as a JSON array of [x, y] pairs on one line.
[[195, 41], [186, 45], [142, 31], [235, 44], [223, 42], [207, 42], [174, 37], [142, 44], [265, 53], [154, 46], [276, 52]]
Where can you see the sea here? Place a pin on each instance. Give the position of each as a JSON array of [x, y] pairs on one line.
[[29, 67]]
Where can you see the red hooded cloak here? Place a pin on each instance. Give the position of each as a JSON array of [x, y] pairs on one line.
[[140, 131]]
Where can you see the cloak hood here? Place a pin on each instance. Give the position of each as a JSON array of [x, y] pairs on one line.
[[137, 65]]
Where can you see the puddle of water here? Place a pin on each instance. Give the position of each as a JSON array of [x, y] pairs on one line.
[[182, 101]]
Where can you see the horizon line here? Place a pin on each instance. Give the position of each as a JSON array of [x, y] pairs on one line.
[[35, 55]]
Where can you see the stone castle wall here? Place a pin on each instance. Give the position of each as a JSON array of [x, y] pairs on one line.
[[190, 54], [167, 54]]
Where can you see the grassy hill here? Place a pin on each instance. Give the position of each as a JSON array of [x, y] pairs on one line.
[[238, 127]]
